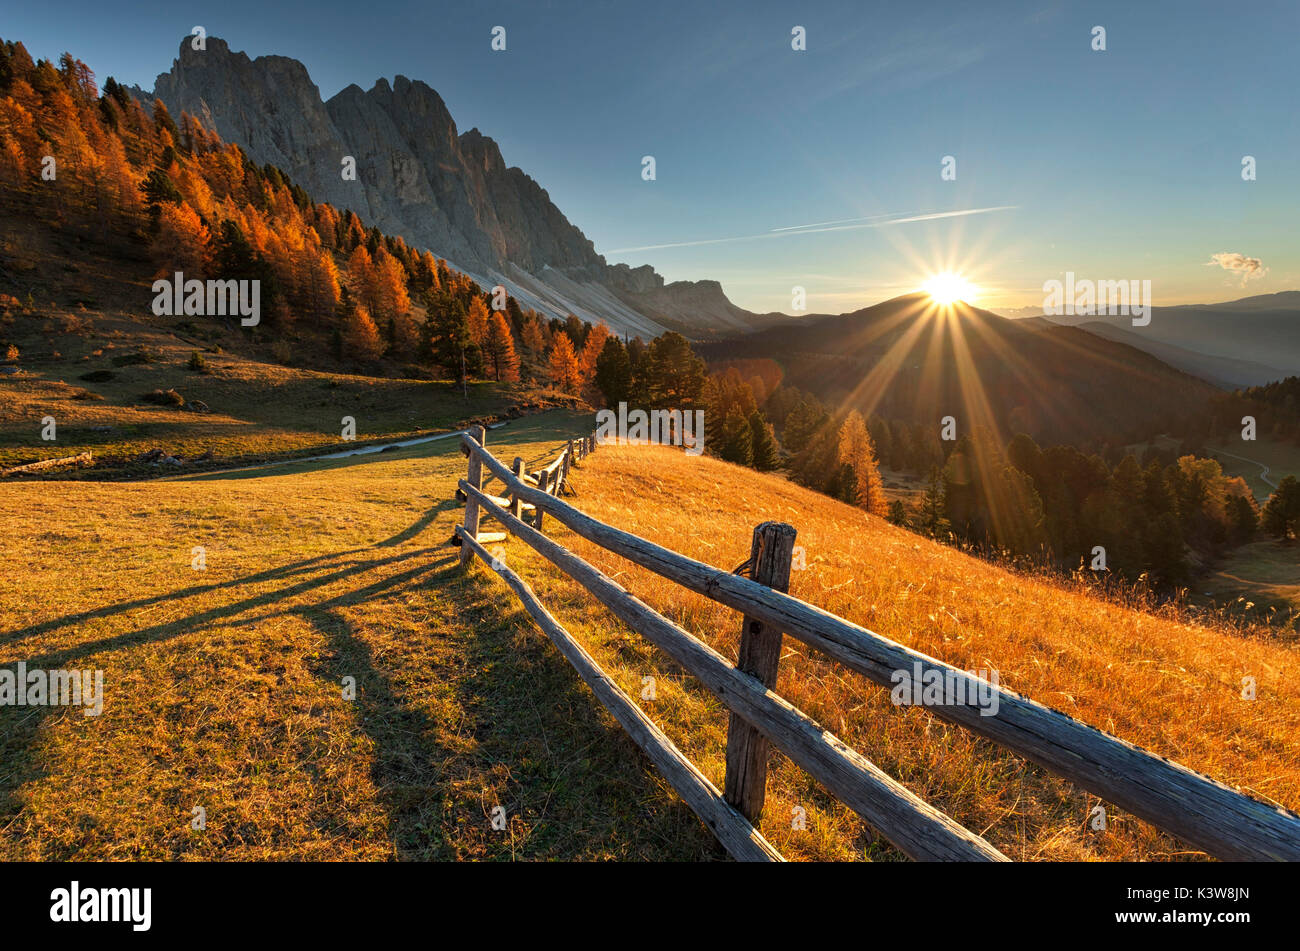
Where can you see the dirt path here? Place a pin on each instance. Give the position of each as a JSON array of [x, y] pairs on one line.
[[328, 457]]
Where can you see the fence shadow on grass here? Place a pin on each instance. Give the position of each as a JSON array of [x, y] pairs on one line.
[[559, 737], [21, 727], [527, 736]]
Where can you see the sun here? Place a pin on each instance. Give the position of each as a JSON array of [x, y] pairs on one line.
[[948, 287]]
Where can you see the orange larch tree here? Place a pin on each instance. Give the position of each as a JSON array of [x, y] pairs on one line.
[[499, 350], [181, 243], [478, 320], [566, 374], [591, 350], [858, 453], [361, 338]]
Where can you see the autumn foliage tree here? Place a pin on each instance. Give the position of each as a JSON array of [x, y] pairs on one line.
[[181, 242], [361, 340], [566, 373], [591, 350], [319, 280], [862, 484], [534, 335], [478, 320], [499, 350]]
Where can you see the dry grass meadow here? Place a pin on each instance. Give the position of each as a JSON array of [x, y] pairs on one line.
[[224, 686]]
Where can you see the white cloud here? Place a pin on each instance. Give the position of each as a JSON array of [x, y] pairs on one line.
[[1237, 263]]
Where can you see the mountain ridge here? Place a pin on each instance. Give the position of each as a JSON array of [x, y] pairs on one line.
[[909, 359], [418, 176], [1245, 342]]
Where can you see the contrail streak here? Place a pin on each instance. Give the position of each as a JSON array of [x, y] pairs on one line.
[[837, 221], [876, 221]]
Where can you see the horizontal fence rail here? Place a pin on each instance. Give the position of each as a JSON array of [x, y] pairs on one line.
[[1206, 814], [915, 827]]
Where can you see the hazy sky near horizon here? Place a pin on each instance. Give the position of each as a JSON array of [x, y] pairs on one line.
[[778, 168]]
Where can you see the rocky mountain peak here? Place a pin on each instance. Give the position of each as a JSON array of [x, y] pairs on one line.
[[417, 177]]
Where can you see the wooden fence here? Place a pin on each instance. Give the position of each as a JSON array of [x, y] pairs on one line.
[[1204, 813]]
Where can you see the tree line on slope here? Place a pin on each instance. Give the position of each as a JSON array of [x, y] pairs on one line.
[[1163, 518], [97, 164], [1274, 406]]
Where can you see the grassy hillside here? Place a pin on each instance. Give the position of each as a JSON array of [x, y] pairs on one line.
[[238, 409], [1167, 685], [1262, 578], [224, 686]]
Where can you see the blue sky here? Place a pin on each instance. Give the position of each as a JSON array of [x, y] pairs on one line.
[[1123, 164]]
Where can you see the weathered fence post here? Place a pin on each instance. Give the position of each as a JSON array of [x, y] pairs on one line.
[[572, 457], [517, 500], [543, 480], [475, 478], [745, 785]]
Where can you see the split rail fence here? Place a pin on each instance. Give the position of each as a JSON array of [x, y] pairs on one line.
[[1204, 813]]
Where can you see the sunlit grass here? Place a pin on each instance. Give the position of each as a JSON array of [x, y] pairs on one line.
[[1165, 683]]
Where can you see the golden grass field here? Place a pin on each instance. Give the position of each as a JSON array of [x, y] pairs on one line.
[[1170, 686], [224, 686]]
